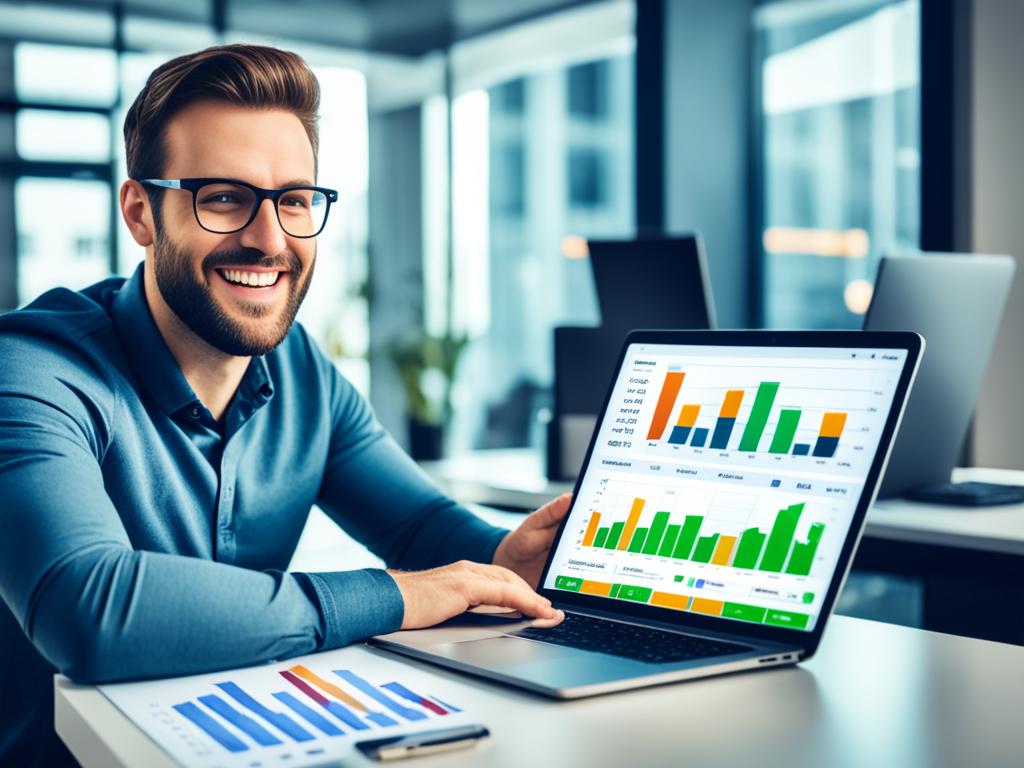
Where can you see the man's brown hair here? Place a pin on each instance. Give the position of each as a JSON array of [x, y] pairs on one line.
[[243, 75]]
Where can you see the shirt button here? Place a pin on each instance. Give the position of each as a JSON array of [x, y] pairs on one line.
[[196, 412]]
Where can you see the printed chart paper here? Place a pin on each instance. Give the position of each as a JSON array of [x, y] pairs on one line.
[[299, 712]]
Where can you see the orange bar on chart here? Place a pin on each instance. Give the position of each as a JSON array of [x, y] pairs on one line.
[[667, 398], [668, 600], [588, 537], [731, 406], [312, 677], [711, 607], [688, 416], [723, 550], [595, 588], [631, 521], [832, 424]]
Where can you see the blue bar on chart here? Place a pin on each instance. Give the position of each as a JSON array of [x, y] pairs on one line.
[[447, 706], [213, 729], [279, 720], [338, 710], [381, 698], [244, 723], [687, 418], [700, 436], [801, 449], [424, 702], [828, 437], [727, 419], [309, 714]]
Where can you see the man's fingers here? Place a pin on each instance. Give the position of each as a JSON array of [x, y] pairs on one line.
[[491, 592], [499, 572], [551, 514]]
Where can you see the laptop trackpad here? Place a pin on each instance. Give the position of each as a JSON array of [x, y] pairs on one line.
[[499, 652]]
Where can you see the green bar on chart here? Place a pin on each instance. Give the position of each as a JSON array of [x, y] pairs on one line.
[[614, 534], [803, 554], [704, 549], [601, 538], [781, 537], [655, 534], [749, 548], [759, 415], [637, 544], [669, 542], [785, 431], [691, 527]]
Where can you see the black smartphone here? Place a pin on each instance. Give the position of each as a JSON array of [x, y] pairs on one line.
[[422, 743]]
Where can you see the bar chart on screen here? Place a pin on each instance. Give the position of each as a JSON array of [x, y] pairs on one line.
[[749, 553], [295, 713], [751, 413]]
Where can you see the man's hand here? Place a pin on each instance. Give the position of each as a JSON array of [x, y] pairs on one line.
[[525, 549], [441, 593]]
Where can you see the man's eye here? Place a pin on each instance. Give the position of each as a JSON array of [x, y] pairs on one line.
[[294, 202], [221, 197]]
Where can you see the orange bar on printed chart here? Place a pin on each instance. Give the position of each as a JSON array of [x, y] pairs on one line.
[[667, 398], [631, 521], [588, 537], [312, 677], [832, 424], [731, 406]]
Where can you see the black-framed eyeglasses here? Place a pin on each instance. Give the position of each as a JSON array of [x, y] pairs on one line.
[[225, 206]]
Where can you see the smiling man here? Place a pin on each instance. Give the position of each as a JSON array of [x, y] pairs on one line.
[[162, 438]]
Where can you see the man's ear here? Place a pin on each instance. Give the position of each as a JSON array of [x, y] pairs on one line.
[[137, 213]]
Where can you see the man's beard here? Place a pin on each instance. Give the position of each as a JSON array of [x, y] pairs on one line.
[[193, 302]]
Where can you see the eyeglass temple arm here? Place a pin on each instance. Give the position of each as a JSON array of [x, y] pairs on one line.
[[165, 183]]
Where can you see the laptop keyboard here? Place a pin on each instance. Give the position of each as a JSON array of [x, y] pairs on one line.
[[653, 646]]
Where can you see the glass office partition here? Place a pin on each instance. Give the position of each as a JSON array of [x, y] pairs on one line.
[[840, 125]]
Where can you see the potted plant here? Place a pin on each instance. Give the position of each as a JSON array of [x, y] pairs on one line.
[[426, 365]]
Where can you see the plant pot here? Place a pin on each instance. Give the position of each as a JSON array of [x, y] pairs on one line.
[[426, 441]]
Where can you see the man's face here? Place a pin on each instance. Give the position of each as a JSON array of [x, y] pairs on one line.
[[202, 276]]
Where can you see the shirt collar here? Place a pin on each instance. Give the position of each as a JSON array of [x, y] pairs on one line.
[[158, 371], [146, 350]]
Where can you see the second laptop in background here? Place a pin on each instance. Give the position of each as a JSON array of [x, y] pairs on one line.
[[956, 302]]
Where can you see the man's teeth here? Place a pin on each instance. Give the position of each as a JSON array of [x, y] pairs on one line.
[[255, 279]]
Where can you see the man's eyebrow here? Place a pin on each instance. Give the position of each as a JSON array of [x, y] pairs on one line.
[[298, 183]]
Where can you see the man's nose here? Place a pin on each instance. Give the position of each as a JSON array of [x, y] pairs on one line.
[[264, 233]]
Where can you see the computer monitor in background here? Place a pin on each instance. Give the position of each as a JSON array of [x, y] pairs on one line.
[[656, 283], [956, 302]]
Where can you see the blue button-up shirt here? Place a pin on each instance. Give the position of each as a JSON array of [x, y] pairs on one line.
[[140, 537]]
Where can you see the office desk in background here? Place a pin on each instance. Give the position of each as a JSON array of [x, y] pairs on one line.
[[969, 561], [876, 694]]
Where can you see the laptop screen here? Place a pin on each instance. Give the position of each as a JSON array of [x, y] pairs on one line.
[[724, 480]]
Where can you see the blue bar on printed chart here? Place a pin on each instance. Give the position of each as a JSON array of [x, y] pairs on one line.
[[399, 709], [310, 715], [261, 735], [424, 702], [213, 729], [279, 720], [700, 436]]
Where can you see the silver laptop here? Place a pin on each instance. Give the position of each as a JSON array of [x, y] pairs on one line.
[[715, 518], [956, 301]]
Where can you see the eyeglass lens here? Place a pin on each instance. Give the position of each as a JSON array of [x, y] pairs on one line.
[[224, 208]]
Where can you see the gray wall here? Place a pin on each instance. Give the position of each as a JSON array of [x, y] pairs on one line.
[[997, 215], [707, 118]]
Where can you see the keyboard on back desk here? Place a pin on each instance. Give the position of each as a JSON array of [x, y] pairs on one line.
[[653, 646]]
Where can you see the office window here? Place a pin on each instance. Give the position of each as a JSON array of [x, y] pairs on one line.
[[840, 121], [540, 162], [48, 134], [63, 230]]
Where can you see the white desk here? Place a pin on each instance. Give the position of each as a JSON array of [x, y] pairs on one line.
[[515, 478], [876, 694]]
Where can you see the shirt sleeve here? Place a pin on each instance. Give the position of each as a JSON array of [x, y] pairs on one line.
[[98, 609], [381, 497]]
